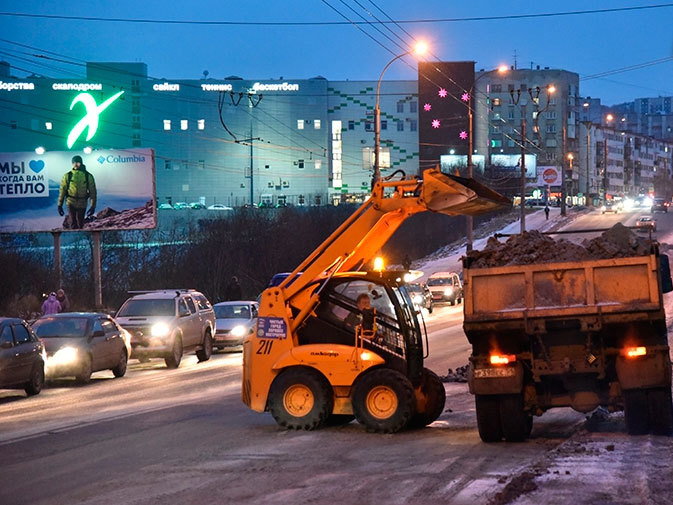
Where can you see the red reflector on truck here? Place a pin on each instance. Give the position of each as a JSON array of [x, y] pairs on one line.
[[502, 359], [632, 352]]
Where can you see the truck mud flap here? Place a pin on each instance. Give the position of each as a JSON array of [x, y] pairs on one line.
[[492, 380], [652, 370]]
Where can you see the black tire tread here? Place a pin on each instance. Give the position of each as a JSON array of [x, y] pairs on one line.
[[433, 388], [322, 393], [488, 417]]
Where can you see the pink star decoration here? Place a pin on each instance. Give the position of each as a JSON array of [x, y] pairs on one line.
[[427, 107], [435, 123], [463, 135], [442, 93], [465, 97]]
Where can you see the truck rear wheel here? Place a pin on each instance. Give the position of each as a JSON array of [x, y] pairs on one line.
[[432, 400], [300, 399], [636, 412], [515, 421], [660, 411], [383, 400], [488, 417]]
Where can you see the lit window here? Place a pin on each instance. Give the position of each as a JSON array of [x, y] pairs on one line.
[[48, 125], [167, 124], [184, 124], [201, 124], [318, 164], [300, 124], [185, 187], [496, 102], [316, 124], [400, 106]]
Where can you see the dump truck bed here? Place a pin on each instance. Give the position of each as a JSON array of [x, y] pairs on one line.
[[607, 290]]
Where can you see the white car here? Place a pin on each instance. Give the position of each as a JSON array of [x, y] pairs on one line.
[[219, 206], [233, 322]]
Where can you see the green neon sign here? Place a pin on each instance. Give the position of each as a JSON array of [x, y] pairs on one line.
[[90, 119]]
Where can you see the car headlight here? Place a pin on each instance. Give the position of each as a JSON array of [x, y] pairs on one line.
[[239, 330], [64, 356], [418, 299], [160, 330], [448, 291], [603, 208]]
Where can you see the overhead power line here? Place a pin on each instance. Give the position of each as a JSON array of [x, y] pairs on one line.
[[333, 23]]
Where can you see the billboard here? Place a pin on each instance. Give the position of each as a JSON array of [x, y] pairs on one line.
[[114, 191], [450, 162], [443, 97], [548, 176]]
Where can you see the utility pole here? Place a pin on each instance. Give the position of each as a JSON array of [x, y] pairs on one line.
[[523, 168], [252, 175], [470, 168], [563, 170]]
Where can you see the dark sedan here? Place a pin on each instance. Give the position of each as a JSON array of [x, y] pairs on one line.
[[21, 357], [79, 344]]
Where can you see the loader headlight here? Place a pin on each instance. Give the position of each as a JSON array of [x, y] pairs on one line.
[[239, 330], [160, 330]]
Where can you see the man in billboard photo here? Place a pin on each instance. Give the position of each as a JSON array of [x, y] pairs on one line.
[[78, 187]]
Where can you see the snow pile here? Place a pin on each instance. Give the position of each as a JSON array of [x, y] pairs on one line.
[[533, 247]]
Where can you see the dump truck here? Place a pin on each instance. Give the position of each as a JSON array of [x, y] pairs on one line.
[[338, 339], [578, 334]]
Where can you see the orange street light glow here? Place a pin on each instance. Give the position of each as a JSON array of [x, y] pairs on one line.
[[421, 48]]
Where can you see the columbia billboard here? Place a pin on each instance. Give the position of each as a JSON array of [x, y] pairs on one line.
[[107, 189]]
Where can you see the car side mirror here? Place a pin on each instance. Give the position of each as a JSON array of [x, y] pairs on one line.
[[98, 333], [6, 345]]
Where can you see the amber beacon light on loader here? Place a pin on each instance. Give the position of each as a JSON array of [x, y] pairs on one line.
[[333, 342]]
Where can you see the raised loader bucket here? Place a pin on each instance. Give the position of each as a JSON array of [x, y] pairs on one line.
[[454, 195]]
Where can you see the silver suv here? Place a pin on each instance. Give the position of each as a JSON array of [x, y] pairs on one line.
[[166, 324]]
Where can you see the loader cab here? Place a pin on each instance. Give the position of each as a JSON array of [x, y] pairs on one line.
[[398, 336]]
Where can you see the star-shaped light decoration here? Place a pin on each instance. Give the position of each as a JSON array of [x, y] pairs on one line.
[[435, 123], [442, 93], [465, 97], [427, 107], [463, 135]]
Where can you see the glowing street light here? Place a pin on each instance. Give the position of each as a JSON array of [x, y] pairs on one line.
[[39, 150], [87, 150], [418, 50]]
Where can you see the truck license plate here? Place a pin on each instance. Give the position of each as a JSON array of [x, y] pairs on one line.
[[486, 373]]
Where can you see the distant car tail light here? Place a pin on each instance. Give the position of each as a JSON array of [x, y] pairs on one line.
[[502, 359], [634, 352]]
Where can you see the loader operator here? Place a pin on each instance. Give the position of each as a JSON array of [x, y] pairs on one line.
[[355, 318]]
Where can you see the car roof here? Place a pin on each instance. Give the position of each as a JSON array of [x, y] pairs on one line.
[[10, 320], [164, 294], [443, 274], [65, 315], [235, 302]]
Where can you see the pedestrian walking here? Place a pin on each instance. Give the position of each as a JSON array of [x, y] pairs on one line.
[[233, 291], [546, 211], [78, 187], [63, 300], [51, 305]]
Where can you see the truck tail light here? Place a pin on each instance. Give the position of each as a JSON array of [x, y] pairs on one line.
[[634, 352], [502, 359]]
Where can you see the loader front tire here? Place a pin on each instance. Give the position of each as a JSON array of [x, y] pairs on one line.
[[300, 399]]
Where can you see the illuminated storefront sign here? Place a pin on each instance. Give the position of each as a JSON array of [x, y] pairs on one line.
[[90, 119], [167, 86], [11, 86], [275, 87], [216, 87], [77, 86]]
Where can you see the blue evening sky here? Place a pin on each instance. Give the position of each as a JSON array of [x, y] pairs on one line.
[[587, 44]]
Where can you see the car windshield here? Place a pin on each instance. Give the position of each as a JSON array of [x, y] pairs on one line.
[[415, 288], [232, 311], [54, 327], [161, 307], [440, 281]]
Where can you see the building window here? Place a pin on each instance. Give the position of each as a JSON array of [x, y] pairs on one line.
[[510, 113], [551, 114], [184, 124], [201, 164], [12, 125], [551, 128], [167, 124], [511, 143], [413, 125], [201, 124], [384, 125], [496, 143], [300, 124], [316, 124], [496, 116], [318, 164], [300, 164], [550, 143], [135, 106], [167, 165], [496, 88], [135, 122], [413, 107], [351, 125], [510, 87], [48, 125], [400, 126], [369, 126], [551, 156], [400, 106], [136, 140]]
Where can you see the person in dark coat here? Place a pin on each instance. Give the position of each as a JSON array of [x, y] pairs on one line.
[[63, 300], [234, 289]]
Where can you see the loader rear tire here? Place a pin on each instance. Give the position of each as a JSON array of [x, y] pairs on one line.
[[383, 400], [515, 421], [430, 405], [636, 412], [488, 417], [300, 398], [660, 411]]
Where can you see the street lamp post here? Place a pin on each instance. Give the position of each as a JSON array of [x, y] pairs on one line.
[[470, 145], [420, 49]]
